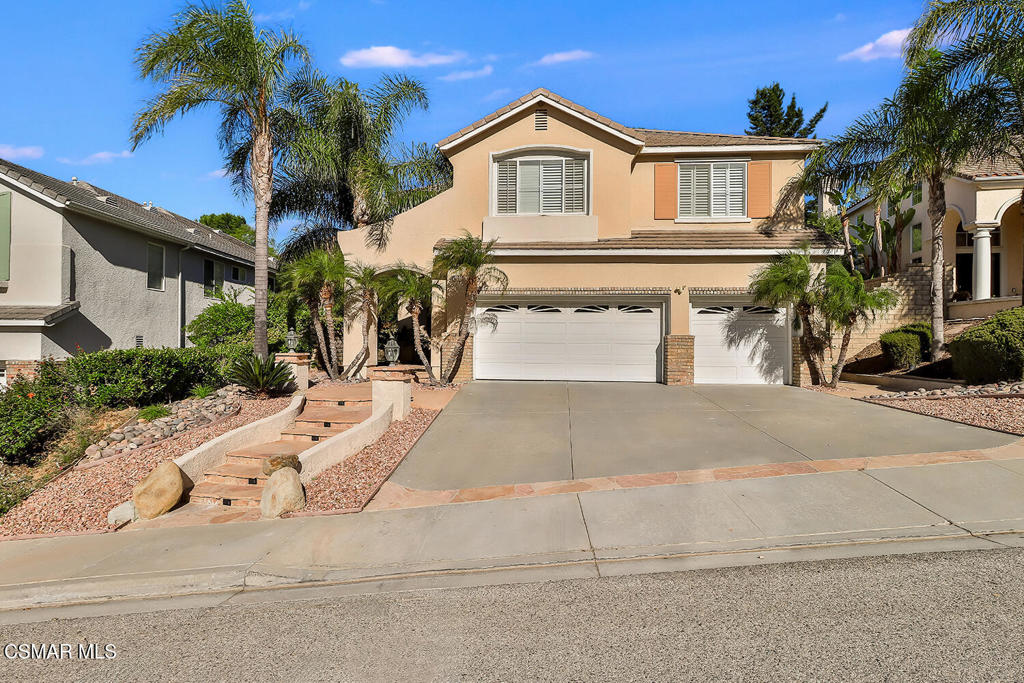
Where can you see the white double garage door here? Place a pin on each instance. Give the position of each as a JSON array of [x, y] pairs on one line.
[[618, 341]]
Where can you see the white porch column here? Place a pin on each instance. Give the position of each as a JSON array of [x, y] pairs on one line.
[[983, 261]]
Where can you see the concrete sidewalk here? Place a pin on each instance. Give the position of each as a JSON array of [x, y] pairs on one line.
[[657, 528]]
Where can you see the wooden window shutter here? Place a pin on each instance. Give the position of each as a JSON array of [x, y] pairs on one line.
[[665, 191], [759, 189]]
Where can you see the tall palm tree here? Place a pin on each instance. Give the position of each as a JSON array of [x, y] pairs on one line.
[[982, 51], [343, 166], [467, 263], [925, 130], [416, 289], [217, 56], [362, 299]]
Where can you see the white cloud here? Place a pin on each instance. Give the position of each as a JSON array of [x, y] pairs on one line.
[[13, 152], [495, 94], [97, 158], [487, 70], [219, 173], [888, 45], [391, 56], [561, 57], [281, 15]]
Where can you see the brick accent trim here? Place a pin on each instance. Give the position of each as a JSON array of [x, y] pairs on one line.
[[464, 370], [22, 368], [678, 359]]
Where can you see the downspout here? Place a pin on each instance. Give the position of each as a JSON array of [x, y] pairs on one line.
[[181, 297]]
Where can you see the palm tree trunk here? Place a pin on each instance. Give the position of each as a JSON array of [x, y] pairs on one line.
[[845, 220], [262, 175], [879, 246], [448, 375], [314, 317], [812, 346], [417, 341], [937, 215], [364, 354], [841, 360], [332, 341]]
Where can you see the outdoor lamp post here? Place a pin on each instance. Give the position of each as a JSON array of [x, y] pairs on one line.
[[291, 340], [391, 351]]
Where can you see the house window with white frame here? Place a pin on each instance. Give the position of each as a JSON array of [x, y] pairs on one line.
[[916, 238], [538, 184], [917, 193], [713, 189]]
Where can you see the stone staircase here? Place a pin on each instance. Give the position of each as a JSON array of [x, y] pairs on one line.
[[329, 410]]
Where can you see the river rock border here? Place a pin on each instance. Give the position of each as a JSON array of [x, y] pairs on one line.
[[186, 415], [993, 390]]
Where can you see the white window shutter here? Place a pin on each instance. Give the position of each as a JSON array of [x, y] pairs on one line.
[[719, 190], [529, 187], [701, 190], [551, 186], [507, 186], [575, 200], [737, 189]]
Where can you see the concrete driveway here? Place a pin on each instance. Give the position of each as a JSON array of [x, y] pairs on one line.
[[523, 432]]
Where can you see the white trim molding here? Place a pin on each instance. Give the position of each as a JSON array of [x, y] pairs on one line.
[[726, 149], [537, 100]]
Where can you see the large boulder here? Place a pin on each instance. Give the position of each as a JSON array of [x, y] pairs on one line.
[[159, 491], [283, 493], [277, 462]]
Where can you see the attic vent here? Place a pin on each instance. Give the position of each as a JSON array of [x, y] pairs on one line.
[[138, 341], [111, 200], [540, 119]]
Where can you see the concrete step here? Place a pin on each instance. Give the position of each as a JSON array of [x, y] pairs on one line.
[[313, 434], [262, 451], [234, 473], [339, 395], [329, 416], [206, 493]]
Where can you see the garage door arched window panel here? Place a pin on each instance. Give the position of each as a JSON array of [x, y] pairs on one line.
[[635, 309], [715, 310], [541, 184], [760, 310], [594, 308], [542, 308], [502, 308]]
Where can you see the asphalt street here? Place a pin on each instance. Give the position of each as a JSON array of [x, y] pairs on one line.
[[948, 616]]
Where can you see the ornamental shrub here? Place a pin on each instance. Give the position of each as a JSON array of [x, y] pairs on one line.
[[33, 411], [229, 323], [907, 346], [138, 377], [992, 351]]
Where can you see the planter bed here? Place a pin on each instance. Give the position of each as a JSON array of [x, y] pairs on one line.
[[80, 499], [1001, 412]]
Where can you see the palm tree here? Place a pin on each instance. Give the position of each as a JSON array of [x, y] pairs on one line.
[[416, 289], [982, 50], [217, 56], [362, 299], [467, 263], [925, 130], [343, 168], [317, 277], [843, 302], [788, 279]]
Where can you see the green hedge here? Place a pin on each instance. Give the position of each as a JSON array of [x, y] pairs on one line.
[[907, 346], [992, 351], [33, 410], [139, 377]]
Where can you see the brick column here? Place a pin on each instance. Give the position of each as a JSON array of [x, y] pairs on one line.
[[27, 369], [678, 359], [464, 370]]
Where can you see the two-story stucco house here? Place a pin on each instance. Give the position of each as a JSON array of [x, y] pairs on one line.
[[82, 268], [981, 235], [629, 251]]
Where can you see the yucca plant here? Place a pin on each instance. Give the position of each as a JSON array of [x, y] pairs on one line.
[[261, 376]]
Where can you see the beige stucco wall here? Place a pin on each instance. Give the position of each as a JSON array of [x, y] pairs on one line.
[[36, 253]]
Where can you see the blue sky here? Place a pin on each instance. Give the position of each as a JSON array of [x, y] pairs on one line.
[[72, 89]]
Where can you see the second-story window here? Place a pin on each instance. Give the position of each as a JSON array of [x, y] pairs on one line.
[[713, 189], [154, 266], [213, 277], [541, 185]]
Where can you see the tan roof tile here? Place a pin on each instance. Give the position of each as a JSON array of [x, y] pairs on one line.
[[702, 238]]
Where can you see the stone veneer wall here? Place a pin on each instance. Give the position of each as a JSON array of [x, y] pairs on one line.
[[464, 372], [678, 359], [22, 368]]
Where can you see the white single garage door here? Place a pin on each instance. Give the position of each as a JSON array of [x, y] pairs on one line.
[[737, 344], [575, 342]]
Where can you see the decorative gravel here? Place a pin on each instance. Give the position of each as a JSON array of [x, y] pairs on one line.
[[80, 499], [352, 483], [993, 389], [1006, 414]]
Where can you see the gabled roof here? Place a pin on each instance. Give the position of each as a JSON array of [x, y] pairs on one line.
[[82, 197], [989, 168], [647, 139]]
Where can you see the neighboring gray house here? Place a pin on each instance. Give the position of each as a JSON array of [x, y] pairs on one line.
[[84, 268]]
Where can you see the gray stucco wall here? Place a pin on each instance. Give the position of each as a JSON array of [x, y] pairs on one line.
[[195, 299], [109, 278]]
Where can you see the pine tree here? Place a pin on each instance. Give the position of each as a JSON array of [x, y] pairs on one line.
[[767, 116]]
